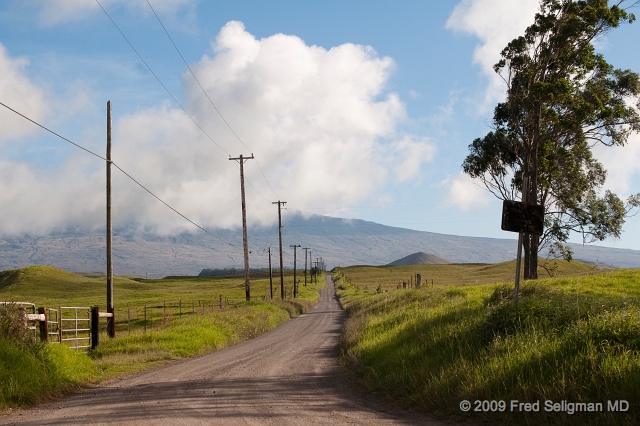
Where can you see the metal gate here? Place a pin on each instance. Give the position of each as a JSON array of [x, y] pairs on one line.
[[75, 326], [53, 325]]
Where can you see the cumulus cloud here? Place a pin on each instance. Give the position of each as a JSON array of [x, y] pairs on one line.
[[319, 122], [465, 193], [622, 164], [18, 92], [55, 12], [316, 119], [411, 154], [495, 23]]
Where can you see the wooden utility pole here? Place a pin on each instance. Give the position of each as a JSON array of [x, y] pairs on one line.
[[305, 265], [280, 203], [111, 321], [311, 266], [247, 285], [295, 283], [270, 274]]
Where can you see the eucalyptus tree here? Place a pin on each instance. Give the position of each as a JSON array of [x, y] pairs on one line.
[[562, 99]]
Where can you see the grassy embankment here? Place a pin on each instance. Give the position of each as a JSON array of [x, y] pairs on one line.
[[574, 337], [31, 372]]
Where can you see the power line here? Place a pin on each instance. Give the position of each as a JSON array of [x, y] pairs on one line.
[[159, 199], [119, 168], [363, 225], [267, 180], [160, 81], [207, 95], [51, 131], [395, 207], [195, 78]]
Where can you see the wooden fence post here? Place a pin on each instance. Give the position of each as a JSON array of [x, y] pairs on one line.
[[44, 325], [95, 326]]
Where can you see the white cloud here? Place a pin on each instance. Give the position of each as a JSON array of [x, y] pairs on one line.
[[19, 93], [465, 193], [36, 201], [495, 23], [319, 122], [411, 155], [54, 12], [622, 164]]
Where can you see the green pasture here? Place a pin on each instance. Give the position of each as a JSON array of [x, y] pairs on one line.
[[161, 299], [574, 338], [391, 277]]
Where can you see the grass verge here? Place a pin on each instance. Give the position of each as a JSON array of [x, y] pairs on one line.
[[572, 339]]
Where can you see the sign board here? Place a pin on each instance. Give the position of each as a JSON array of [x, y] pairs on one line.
[[521, 217]]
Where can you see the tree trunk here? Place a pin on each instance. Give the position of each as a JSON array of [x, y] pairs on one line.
[[533, 266], [532, 241], [526, 246]]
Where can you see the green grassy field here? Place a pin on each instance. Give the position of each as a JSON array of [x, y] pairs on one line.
[[574, 338], [164, 299], [183, 318]]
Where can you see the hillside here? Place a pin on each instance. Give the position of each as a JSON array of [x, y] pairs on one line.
[[338, 241], [420, 258]]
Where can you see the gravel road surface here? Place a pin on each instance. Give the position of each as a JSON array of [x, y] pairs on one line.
[[289, 376]]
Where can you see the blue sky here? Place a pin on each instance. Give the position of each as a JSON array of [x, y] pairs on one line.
[[352, 109]]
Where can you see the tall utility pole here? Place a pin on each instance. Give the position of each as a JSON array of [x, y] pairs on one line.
[[280, 203], [247, 286], [310, 266], [111, 323], [295, 283], [305, 265], [270, 274]]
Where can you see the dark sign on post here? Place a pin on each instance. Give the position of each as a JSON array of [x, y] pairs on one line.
[[521, 217]]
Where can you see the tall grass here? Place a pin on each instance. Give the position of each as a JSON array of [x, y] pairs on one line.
[[571, 339], [31, 371]]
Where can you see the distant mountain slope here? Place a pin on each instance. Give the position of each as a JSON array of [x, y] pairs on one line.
[[338, 241], [420, 258]]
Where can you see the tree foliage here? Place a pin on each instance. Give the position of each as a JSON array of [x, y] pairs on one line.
[[563, 98]]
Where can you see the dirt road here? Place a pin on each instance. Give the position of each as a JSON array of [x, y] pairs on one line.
[[289, 376]]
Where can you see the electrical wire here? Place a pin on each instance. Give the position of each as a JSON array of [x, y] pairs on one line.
[[194, 76], [51, 131], [271, 228], [208, 97], [119, 168], [309, 209], [163, 202], [160, 81]]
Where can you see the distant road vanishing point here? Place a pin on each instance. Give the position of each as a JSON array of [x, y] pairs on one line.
[[289, 376]]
